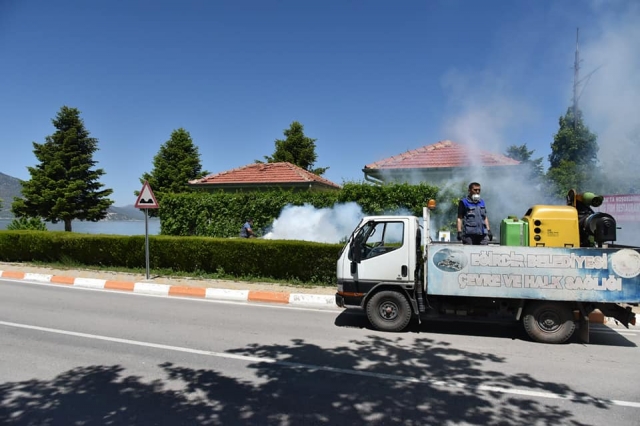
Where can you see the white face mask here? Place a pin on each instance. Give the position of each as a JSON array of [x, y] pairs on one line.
[[475, 197]]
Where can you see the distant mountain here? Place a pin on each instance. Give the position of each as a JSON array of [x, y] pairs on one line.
[[11, 187], [124, 213]]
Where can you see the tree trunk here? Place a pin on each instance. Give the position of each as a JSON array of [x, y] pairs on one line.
[[67, 225]]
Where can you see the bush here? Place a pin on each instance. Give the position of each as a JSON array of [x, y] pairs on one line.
[[296, 261], [24, 223]]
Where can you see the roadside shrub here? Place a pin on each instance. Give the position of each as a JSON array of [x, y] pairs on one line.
[[278, 259], [27, 223]]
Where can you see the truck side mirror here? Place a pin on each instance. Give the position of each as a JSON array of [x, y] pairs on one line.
[[356, 253]]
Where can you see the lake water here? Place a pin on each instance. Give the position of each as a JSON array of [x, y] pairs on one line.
[[116, 227]]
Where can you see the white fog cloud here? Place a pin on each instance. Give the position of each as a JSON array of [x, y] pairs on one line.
[[486, 113], [486, 110], [611, 96], [327, 225]]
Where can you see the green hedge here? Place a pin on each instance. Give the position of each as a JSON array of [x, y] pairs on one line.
[[58, 246], [221, 214], [278, 259]]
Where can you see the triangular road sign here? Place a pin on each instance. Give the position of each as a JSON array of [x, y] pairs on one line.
[[146, 199]]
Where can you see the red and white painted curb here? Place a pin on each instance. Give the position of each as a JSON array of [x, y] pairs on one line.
[[286, 298]]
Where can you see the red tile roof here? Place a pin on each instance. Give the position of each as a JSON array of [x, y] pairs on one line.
[[264, 173], [443, 154]]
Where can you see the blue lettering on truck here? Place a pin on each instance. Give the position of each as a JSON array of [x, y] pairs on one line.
[[580, 274]]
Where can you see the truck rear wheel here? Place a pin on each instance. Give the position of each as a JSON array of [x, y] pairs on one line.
[[389, 311], [549, 322]]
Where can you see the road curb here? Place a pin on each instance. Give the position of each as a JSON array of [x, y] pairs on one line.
[[155, 289]]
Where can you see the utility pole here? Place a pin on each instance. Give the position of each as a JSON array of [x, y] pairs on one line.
[[576, 78]]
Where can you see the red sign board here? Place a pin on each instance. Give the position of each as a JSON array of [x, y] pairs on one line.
[[624, 208], [146, 199]]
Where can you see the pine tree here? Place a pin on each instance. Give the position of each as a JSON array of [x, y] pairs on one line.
[[574, 156], [296, 149], [64, 186], [176, 163]]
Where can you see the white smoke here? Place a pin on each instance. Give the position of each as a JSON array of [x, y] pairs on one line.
[[486, 114], [611, 91], [486, 110], [325, 225], [610, 97]]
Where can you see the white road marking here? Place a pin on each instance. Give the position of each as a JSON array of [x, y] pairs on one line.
[[424, 380]]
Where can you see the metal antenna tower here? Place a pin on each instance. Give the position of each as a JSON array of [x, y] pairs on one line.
[[577, 91], [576, 78]]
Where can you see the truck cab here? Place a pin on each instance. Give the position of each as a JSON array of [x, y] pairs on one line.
[[383, 252]]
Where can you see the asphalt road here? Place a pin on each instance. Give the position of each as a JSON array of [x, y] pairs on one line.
[[81, 357]]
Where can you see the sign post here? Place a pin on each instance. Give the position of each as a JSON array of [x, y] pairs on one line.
[[146, 200]]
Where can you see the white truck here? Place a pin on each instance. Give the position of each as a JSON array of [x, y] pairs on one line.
[[549, 270]]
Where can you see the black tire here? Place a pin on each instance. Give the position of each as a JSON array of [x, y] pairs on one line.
[[549, 322], [389, 311]]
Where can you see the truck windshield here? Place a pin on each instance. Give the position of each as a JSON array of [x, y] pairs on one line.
[[377, 238]]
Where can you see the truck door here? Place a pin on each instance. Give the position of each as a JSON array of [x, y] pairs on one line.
[[381, 247]]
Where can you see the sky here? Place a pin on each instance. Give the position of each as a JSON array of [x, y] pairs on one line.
[[367, 79]]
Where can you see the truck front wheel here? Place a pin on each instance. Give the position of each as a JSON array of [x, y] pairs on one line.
[[549, 322], [389, 311]]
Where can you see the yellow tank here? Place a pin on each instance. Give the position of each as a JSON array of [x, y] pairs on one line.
[[553, 226]]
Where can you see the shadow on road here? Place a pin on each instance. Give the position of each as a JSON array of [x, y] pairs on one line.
[[378, 380], [609, 336], [600, 335]]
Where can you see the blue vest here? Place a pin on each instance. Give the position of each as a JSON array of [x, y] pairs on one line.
[[473, 220], [243, 230]]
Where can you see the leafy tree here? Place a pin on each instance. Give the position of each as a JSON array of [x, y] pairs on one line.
[[64, 186], [297, 149], [522, 154], [574, 156], [176, 163], [30, 224]]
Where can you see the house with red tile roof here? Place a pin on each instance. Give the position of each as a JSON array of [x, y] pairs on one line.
[[265, 176], [440, 162]]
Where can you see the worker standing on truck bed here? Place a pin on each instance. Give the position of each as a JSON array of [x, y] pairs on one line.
[[473, 222]]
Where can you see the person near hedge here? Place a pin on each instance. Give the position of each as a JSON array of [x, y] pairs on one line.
[[246, 231], [473, 222]]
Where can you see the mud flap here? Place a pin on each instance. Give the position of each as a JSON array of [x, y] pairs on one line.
[[414, 306], [583, 332], [582, 319]]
